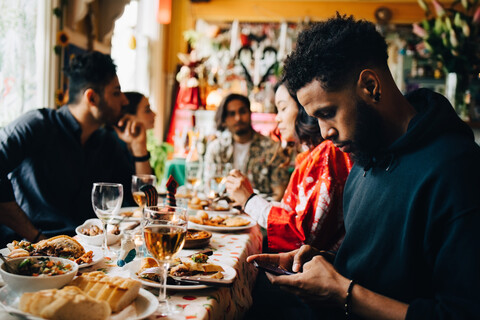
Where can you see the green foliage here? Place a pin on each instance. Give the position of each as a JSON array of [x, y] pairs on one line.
[[159, 152]]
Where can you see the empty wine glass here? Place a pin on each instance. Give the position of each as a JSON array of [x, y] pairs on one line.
[[106, 201], [164, 231], [139, 181]]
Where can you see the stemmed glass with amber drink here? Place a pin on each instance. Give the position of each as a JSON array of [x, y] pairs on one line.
[[164, 231], [216, 177], [139, 181]]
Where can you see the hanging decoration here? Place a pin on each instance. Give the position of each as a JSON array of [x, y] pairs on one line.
[[164, 13], [62, 41]]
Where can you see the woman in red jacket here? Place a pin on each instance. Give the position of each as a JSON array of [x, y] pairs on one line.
[[311, 209]]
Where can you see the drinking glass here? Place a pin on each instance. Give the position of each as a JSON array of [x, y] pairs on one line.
[[139, 181], [193, 174], [106, 201], [216, 178], [164, 231]]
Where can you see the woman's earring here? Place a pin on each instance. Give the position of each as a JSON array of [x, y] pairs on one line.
[[377, 97]]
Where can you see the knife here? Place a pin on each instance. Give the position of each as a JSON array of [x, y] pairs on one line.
[[192, 280]]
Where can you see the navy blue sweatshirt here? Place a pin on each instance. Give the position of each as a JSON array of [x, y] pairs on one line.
[[412, 217]]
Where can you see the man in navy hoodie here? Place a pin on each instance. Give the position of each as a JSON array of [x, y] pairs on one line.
[[412, 199]]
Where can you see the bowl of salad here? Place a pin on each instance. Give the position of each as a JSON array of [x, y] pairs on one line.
[[28, 274]]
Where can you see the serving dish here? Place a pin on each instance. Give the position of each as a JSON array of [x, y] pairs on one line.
[[96, 240], [197, 239], [29, 283]]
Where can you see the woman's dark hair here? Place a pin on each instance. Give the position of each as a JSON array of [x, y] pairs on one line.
[[222, 108], [334, 52], [306, 128], [134, 99], [89, 70]]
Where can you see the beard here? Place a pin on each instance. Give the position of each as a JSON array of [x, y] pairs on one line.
[[242, 132], [369, 138], [108, 116]]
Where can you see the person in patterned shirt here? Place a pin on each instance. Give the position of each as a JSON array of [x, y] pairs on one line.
[[245, 149], [311, 210]]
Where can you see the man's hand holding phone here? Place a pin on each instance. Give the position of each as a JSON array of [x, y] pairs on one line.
[[271, 268]]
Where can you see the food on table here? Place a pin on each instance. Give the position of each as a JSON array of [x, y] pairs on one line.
[[218, 221], [95, 230], [196, 265], [197, 235], [134, 213], [42, 267], [60, 246], [116, 291], [68, 303], [188, 267], [197, 204], [197, 239]]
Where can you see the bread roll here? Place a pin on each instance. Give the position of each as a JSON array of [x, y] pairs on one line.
[[116, 291], [69, 303]]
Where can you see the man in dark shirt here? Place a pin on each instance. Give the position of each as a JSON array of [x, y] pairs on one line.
[[411, 204], [49, 159]]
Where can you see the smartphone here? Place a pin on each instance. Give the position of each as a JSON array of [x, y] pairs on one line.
[[271, 268]]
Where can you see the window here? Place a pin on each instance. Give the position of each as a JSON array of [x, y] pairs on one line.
[[26, 55]]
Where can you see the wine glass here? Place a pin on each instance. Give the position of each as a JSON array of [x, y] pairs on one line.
[[216, 177], [106, 201], [193, 173], [164, 231], [139, 181]]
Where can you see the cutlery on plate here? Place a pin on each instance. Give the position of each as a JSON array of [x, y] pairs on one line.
[[196, 280]]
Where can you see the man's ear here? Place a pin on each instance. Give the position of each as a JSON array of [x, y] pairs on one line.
[[368, 86], [91, 96]]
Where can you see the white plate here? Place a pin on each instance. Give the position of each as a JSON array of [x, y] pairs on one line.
[[228, 274], [231, 211], [129, 209], [97, 255], [194, 225], [146, 304]]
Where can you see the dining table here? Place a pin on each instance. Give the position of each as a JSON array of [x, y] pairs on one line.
[[228, 248]]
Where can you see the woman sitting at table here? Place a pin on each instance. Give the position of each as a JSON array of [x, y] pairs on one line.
[[138, 109], [311, 209]]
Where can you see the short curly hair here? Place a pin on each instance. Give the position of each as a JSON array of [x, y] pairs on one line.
[[334, 52], [89, 70]]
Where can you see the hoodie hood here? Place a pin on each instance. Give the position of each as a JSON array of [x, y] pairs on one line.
[[435, 116]]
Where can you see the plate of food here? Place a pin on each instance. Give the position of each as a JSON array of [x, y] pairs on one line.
[[186, 273], [219, 222], [131, 214], [132, 303], [59, 246]]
